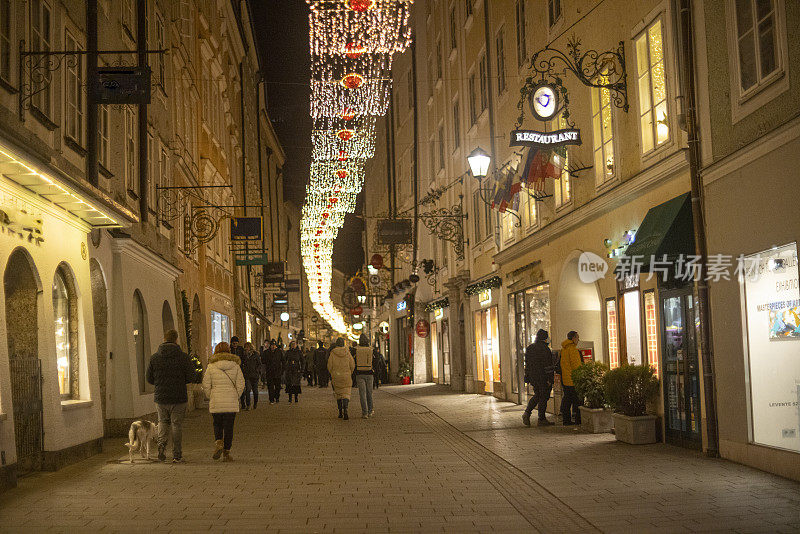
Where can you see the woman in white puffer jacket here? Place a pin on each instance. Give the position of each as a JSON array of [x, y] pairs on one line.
[[223, 384]]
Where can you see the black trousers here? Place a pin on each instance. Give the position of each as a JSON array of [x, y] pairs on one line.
[[322, 378], [223, 428], [249, 385], [274, 388], [570, 403], [541, 394]]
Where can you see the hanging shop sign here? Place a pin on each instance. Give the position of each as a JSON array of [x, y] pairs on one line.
[[122, 85], [245, 228], [253, 259], [357, 311], [394, 232], [438, 313], [423, 328], [273, 272], [291, 285], [402, 305], [280, 298], [384, 327], [536, 139]]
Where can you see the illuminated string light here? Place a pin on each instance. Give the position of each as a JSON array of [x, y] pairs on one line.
[[339, 26], [340, 140]]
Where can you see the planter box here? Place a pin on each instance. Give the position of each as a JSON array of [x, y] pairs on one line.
[[596, 420], [406, 380], [635, 430]]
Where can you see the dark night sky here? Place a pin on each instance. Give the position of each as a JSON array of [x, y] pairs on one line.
[[281, 30]]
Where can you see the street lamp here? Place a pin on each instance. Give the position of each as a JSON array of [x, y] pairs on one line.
[[479, 163], [284, 317]]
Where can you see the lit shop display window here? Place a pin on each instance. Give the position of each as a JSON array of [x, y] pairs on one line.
[[487, 348], [772, 317], [613, 337], [62, 329], [220, 328]]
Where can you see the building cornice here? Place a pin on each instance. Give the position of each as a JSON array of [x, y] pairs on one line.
[[128, 247]]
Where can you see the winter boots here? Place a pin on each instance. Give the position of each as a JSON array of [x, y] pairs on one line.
[[226, 456], [342, 404], [217, 449]]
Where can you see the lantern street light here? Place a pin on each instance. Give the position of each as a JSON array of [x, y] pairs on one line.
[[479, 163], [284, 317]]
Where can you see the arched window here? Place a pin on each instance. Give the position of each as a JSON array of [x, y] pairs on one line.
[[65, 319], [140, 340]]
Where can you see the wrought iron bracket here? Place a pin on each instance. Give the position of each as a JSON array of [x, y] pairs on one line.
[[448, 225], [36, 68], [605, 70]]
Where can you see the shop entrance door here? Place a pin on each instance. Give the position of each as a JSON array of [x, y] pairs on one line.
[[445, 342], [680, 368]]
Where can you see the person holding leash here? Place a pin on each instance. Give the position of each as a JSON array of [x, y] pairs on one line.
[[223, 384]]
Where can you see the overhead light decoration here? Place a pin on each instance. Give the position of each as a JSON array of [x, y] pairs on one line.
[[351, 46]]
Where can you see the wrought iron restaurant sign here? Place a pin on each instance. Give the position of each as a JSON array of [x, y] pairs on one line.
[[532, 138]]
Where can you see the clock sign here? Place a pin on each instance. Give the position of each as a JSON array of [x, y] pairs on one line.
[[544, 102]]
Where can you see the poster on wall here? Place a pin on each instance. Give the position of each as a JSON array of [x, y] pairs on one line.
[[772, 305]]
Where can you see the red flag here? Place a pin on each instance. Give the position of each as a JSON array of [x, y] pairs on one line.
[[543, 164]]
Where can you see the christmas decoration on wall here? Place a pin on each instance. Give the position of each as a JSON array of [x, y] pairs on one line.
[[489, 283]]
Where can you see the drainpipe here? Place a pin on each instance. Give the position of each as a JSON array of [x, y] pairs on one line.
[[701, 246], [92, 113], [141, 48], [415, 153]]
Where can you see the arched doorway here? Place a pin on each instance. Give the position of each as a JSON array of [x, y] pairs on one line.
[[141, 341], [578, 307], [22, 289], [167, 321], [100, 307]]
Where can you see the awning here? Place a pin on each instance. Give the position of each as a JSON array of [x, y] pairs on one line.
[[82, 200], [665, 230]]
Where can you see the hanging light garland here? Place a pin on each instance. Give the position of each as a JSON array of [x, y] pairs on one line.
[[351, 42]]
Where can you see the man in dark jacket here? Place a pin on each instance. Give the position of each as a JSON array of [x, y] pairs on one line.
[[251, 370], [321, 364], [378, 366], [539, 374], [273, 364], [170, 369]]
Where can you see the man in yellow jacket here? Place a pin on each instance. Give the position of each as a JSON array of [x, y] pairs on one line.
[[570, 360]]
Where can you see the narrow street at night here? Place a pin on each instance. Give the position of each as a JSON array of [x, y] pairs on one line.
[[428, 461]]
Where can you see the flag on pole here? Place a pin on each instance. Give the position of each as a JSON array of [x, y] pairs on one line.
[[542, 164]]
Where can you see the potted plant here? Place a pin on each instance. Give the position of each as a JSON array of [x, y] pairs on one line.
[[628, 389], [404, 372], [588, 380]]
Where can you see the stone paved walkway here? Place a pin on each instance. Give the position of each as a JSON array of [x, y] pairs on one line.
[[430, 461]]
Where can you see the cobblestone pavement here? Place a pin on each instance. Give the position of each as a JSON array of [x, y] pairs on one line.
[[430, 461]]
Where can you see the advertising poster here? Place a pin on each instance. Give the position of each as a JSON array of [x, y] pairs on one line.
[[772, 306]]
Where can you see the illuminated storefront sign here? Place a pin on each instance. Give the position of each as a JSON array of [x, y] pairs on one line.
[[485, 297], [533, 138]]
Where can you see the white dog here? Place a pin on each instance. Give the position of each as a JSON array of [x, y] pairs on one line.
[[139, 437]]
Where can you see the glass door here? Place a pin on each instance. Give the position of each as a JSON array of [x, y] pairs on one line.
[[681, 369], [445, 343], [434, 353]]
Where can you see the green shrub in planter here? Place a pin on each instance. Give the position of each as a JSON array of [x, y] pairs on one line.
[[588, 380], [628, 389], [403, 368]]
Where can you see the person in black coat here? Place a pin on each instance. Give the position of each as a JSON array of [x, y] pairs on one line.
[[378, 366], [273, 364], [539, 374], [169, 370], [251, 370], [321, 365], [293, 371]]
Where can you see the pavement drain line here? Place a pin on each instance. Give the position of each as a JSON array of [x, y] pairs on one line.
[[544, 511]]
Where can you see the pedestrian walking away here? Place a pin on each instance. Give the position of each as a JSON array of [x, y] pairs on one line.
[[570, 360], [539, 369], [273, 362], [364, 376], [169, 370], [321, 364], [251, 370], [341, 367], [309, 368], [223, 385], [378, 367], [293, 371]]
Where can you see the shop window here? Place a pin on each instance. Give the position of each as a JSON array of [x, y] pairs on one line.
[[487, 347], [220, 328], [603, 135], [633, 327], [5, 40], [772, 336], [65, 317], [612, 329], [434, 352], [756, 40], [652, 88], [501, 61], [248, 326], [651, 329], [140, 340]]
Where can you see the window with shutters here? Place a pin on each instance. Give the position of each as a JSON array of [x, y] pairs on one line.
[[73, 93], [652, 87], [5, 40], [520, 20], [500, 46]]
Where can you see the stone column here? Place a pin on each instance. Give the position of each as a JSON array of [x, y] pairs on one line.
[[458, 343]]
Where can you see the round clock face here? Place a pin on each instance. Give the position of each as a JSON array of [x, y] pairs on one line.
[[544, 102]]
